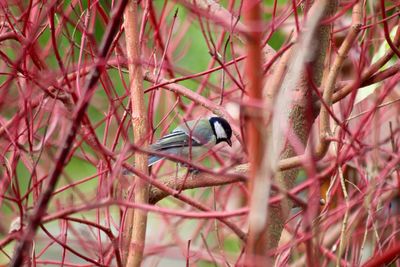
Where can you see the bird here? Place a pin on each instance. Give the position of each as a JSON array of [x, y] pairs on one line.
[[192, 139]]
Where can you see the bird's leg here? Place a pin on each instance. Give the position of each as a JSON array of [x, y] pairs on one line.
[[191, 169]]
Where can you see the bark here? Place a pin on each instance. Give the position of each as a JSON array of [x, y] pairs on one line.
[[135, 234], [299, 122]]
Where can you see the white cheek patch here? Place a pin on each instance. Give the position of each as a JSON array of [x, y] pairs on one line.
[[219, 130]]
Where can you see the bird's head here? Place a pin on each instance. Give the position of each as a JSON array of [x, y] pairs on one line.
[[222, 129]]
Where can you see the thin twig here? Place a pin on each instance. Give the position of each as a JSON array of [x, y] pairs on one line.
[[90, 86]]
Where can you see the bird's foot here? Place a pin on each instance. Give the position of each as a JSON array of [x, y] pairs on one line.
[[191, 169]]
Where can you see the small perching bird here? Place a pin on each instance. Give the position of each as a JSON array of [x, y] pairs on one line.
[[192, 138]]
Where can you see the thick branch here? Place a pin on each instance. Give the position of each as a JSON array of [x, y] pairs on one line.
[[327, 98], [197, 181], [256, 242], [297, 116], [176, 194], [136, 229]]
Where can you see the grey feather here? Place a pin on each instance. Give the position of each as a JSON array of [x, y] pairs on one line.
[[188, 140]]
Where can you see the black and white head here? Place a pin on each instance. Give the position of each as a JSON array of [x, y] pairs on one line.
[[222, 130]]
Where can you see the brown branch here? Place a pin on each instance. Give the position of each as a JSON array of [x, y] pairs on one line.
[[137, 219], [297, 115], [329, 85], [347, 89], [197, 180], [176, 194], [327, 98], [280, 213]]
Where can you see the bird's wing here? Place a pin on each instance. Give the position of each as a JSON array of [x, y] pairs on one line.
[[177, 138], [199, 130], [192, 133]]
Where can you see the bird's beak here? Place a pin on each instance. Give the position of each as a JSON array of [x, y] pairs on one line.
[[229, 142]]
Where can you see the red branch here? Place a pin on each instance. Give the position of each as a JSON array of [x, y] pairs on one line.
[[90, 86], [385, 257]]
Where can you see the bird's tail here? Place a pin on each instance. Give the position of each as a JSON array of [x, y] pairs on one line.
[[153, 160], [150, 162]]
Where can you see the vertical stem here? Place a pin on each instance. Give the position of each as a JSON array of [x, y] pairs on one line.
[[253, 123], [297, 117], [137, 230]]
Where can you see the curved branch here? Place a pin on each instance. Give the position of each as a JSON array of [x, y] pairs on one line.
[[175, 193], [348, 88], [197, 180]]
